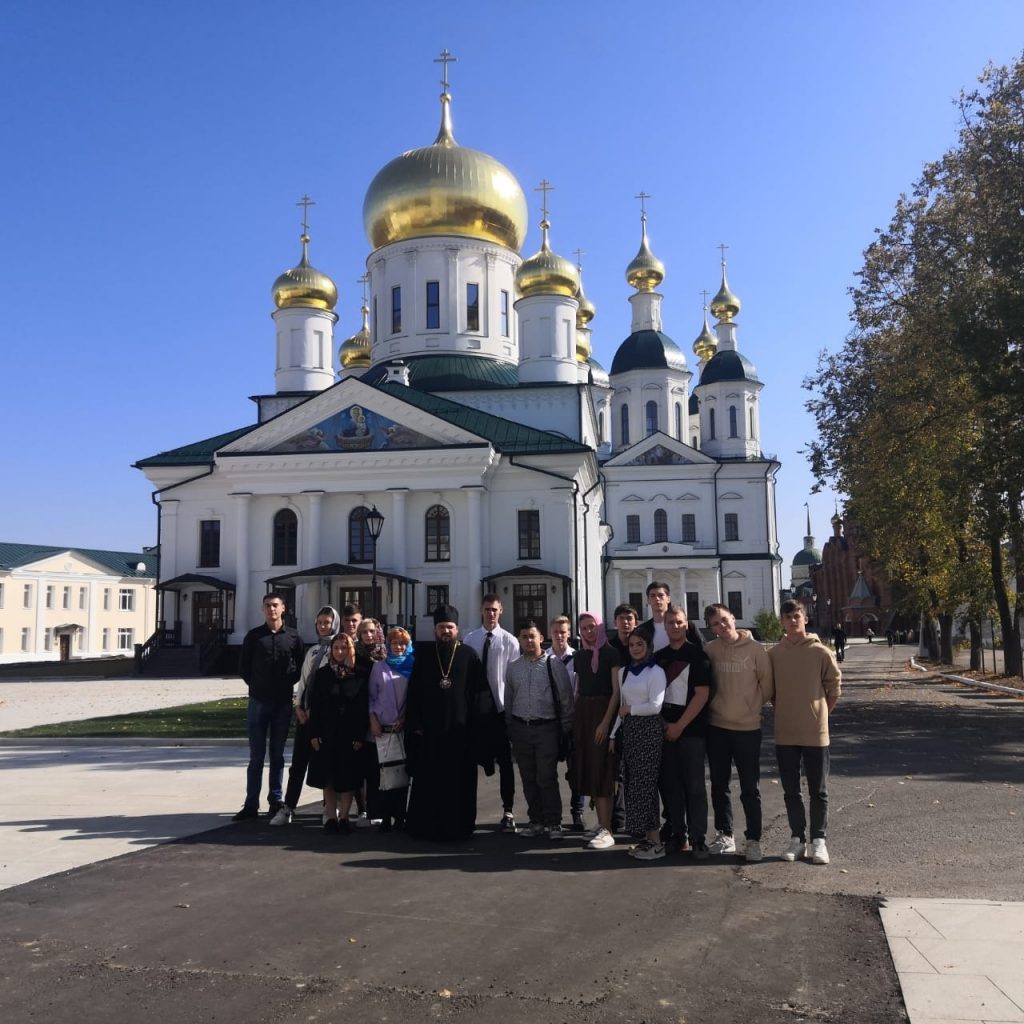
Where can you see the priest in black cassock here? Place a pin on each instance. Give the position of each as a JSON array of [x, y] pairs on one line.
[[451, 727]]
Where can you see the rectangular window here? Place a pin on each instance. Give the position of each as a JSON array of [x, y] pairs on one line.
[[636, 600], [735, 603], [26, 597], [26, 639], [83, 597], [689, 528], [126, 600], [660, 526], [209, 543], [693, 606], [49, 597], [396, 310], [504, 314], [732, 526], [48, 640], [106, 638], [106, 599], [529, 533], [67, 597], [436, 596], [433, 305], [472, 307], [632, 529], [125, 638], [529, 601]]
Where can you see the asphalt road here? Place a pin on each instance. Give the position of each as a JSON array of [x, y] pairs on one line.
[[284, 925]]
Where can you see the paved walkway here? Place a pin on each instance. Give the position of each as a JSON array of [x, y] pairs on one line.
[[66, 806]]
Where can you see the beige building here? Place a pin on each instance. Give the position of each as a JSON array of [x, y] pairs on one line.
[[62, 603]]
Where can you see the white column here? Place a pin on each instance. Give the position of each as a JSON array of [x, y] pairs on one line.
[[313, 520], [681, 599], [616, 594], [242, 609], [398, 531], [169, 538], [474, 526]]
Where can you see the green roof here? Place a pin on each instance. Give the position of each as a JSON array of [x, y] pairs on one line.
[[507, 436], [199, 453], [451, 371], [120, 563]]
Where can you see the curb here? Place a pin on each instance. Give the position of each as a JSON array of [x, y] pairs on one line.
[[118, 741]]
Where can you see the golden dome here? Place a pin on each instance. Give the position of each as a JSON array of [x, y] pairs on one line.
[[587, 309], [354, 352], [725, 305], [304, 285], [584, 350], [445, 189], [646, 271], [706, 344], [547, 273]]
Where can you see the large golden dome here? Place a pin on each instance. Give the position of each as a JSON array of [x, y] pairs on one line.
[[304, 285], [547, 273], [445, 189], [646, 271]]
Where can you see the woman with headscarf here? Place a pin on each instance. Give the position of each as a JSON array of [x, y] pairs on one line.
[[643, 693], [389, 687], [597, 701], [339, 718], [370, 649]]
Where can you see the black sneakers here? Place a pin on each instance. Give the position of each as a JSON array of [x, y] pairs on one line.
[[246, 813]]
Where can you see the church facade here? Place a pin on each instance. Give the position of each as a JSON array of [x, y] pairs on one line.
[[468, 424]]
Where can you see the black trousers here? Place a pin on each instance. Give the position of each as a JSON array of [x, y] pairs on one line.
[[815, 761], [742, 747], [301, 751], [506, 771]]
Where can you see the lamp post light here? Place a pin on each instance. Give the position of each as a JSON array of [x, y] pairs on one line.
[[374, 523], [828, 607]]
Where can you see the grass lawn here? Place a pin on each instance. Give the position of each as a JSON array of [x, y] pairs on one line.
[[215, 718]]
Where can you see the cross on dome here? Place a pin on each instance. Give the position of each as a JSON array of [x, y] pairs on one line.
[[305, 202], [545, 187], [444, 60]]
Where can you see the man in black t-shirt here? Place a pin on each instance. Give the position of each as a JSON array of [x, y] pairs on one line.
[[684, 714]]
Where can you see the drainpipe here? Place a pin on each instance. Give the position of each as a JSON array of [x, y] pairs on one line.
[[721, 578], [586, 510]]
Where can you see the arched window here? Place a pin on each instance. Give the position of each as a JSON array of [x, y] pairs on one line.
[[711, 424], [286, 538], [625, 425], [360, 543], [733, 425], [439, 539], [679, 421], [651, 410], [660, 526]]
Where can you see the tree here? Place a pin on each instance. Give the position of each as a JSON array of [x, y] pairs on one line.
[[919, 413], [767, 625]]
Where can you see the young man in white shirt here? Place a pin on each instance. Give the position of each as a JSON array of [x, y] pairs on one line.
[[497, 649], [658, 598]]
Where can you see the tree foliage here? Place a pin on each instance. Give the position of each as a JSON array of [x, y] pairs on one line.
[[920, 412]]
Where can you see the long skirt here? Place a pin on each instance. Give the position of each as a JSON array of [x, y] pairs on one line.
[[642, 741], [593, 764]]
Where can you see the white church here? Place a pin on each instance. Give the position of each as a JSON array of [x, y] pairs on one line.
[[468, 425]]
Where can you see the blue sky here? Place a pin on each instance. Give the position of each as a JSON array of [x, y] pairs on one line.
[[153, 154]]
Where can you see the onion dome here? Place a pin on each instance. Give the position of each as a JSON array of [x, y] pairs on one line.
[[547, 273], [304, 285], [725, 305], [706, 344], [354, 352], [646, 271], [728, 364], [648, 350], [807, 556], [445, 189], [584, 314], [598, 374], [587, 309], [583, 346]]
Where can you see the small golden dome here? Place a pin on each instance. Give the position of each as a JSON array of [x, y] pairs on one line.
[[587, 309], [646, 271], [354, 352], [725, 305], [584, 350], [445, 189], [706, 344], [547, 273], [304, 285]]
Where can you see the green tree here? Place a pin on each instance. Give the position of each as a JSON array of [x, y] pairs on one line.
[[768, 627]]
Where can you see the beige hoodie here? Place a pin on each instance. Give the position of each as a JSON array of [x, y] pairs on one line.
[[743, 682], [806, 678]]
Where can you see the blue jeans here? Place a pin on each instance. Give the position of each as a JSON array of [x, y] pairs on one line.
[[263, 716]]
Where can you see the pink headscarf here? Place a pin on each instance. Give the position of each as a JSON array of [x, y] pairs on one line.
[[601, 641]]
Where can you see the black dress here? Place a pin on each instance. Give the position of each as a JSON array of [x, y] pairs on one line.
[[450, 730], [339, 715]]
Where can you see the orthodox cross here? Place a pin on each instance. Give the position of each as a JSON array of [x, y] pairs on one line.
[[579, 254], [643, 197], [721, 248], [704, 295], [364, 281], [545, 186], [444, 60], [305, 202]]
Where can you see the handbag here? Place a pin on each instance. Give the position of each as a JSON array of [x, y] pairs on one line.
[[391, 755], [564, 738]]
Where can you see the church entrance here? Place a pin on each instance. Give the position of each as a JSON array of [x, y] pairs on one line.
[[207, 615], [530, 601], [361, 596], [65, 646]]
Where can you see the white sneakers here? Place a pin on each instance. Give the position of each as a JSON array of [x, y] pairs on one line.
[[752, 854], [602, 840], [815, 851], [722, 843], [283, 816]]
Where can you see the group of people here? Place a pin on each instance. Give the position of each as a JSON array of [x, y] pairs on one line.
[[639, 715]]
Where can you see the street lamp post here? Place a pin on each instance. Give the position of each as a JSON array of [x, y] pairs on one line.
[[828, 612], [375, 523]]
